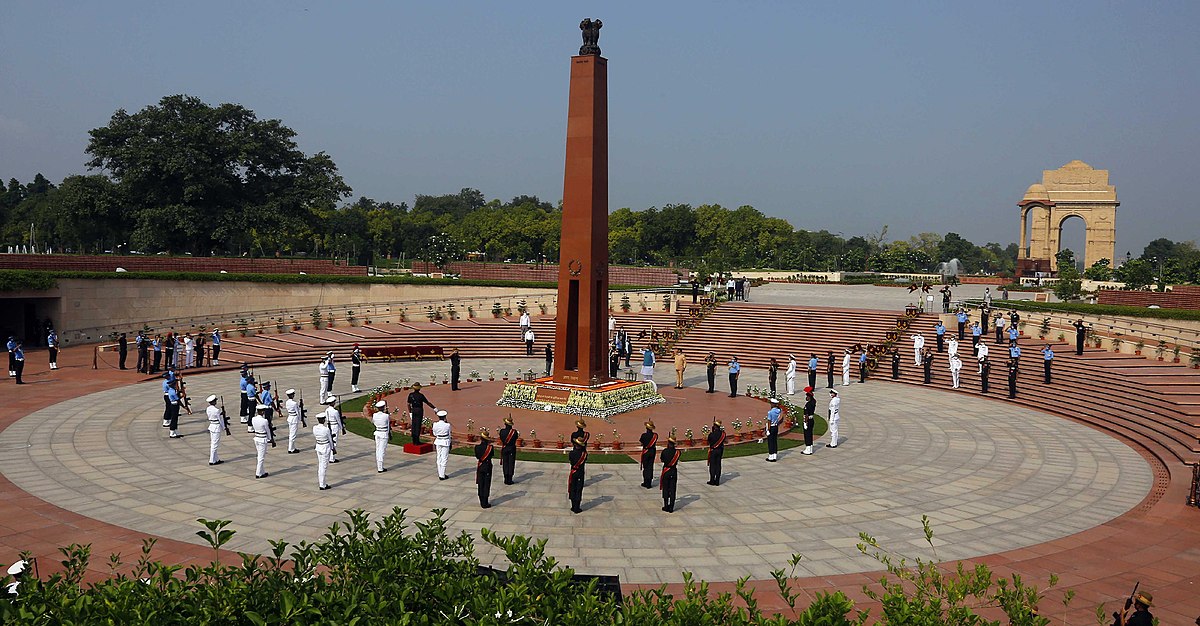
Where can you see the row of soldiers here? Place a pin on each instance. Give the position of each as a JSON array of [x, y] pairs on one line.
[[172, 351]]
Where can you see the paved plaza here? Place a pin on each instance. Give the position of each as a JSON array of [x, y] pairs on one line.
[[991, 476]]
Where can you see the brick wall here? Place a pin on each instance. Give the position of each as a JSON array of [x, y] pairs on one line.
[[617, 274], [136, 263], [1181, 298]]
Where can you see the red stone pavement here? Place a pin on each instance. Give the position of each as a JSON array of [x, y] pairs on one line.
[[1157, 543]]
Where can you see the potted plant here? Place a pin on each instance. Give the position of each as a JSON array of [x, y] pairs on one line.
[[350, 319], [1117, 341], [537, 443], [1175, 354], [505, 375], [280, 327], [599, 441], [562, 441], [470, 311], [491, 374], [625, 306], [450, 313], [687, 437], [1021, 327], [329, 319], [1160, 349], [1195, 358], [432, 380], [473, 375], [1137, 347], [616, 440], [496, 309], [666, 299], [295, 324], [542, 307], [737, 430], [445, 379], [520, 440], [316, 317], [1044, 328], [471, 430]]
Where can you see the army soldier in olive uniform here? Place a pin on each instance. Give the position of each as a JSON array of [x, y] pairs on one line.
[[578, 460], [508, 451], [669, 479], [484, 451], [716, 449], [649, 440]]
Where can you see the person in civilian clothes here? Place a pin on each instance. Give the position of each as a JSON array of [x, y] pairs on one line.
[[669, 479], [716, 450], [649, 441], [575, 479], [484, 451], [999, 321], [508, 450], [710, 365], [356, 367], [681, 365], [530, 337], [774, 416], [1047, 359], [810, 409]]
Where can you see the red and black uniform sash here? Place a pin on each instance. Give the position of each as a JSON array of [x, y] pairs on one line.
[[670, 465], [512, 436], [646, 448], [575, 467], [487, 456], [720, 442]]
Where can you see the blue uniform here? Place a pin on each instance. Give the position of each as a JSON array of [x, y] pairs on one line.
[[18, 356], [1014, 351], [812, 372], [962, 323], [734, 369], [773, 418], [1047, 357], [1013, 333]]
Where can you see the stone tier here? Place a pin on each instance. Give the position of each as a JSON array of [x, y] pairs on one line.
[[602, 401]]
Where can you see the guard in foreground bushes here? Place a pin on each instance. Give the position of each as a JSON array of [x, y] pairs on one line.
[[578, 459], [669, 479], [484, 451]]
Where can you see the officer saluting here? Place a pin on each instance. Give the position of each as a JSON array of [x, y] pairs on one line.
[[710, 365], [580, 433], [484, 451], [578, 460], [716, 449], [355, 367], [216, 424], [508, 451], [648, 440], [669, 478], [774, 416]]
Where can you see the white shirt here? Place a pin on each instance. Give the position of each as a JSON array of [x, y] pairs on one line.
[[612, 323], [323, 368], [214, 417], [955, 364], [791, 370], [334, 418], [983, 350], [529, 335], [262, 428], [441, 433], [918, 341], [835, 408], [524, 319], [953, 347], [321, 434], [293, 410], [846, 362], [188, 344], [383, 424]]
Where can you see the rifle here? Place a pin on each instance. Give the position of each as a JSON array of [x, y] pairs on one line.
[[342, 418], [183, 397], [1119, 616], [303, 411], [225, 418]]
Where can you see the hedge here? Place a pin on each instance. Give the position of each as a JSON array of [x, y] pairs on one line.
[[17, 280], [1113, 310]]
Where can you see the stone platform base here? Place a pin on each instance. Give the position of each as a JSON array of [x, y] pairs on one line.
[[418, 448], [602, 401]]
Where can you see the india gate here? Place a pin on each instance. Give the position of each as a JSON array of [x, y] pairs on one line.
[[1073, 190]]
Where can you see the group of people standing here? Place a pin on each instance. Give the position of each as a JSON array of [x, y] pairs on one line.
[[171, 352], [16, 354]]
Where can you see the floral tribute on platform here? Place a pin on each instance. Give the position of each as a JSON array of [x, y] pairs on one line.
[[602, 401]]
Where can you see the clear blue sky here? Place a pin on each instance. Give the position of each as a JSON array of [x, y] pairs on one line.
[[844, 116]]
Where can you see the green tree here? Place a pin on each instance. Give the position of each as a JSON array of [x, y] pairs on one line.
[[1135, 273], [1100, 270]]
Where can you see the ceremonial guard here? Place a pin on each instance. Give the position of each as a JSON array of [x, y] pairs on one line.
[[580, 433], [246, 384], [355, 368], [142, 345], [484, 451], [333, 417], [157, 344], [323, 438], [681, 365], [895, 364], [1047, 359], [268, 398], [508, 450], [985, 369], [1080, 335], [441, 443], [216, 424], [846, 368], [323, 370], [1141, 601], [416, 411], [810, 410], [835, 415], [918, 347], [939, 329], [927, 364], [12, 361], [813, 364], [952, 347], [383, 432], [669, 479], [52, 343], [735, 369], [790, 375], [955, 370], [716, 450], [578, 460], [455, 368], [292, 408], [262, 436], [772, 374], [774, 416], [710, 364], [649, 441], [829, 369], [1013, 366], [330, 369], [19, 360], [216, 346]]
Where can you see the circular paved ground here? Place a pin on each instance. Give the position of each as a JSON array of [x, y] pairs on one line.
[[991, 477]]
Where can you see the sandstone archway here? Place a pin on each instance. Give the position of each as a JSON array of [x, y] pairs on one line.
[[1073, 190]]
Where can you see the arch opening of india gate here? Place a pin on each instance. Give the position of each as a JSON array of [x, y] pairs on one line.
[[1073, 190]]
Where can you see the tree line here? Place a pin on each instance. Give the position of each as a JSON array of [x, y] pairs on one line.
[[185, 177]]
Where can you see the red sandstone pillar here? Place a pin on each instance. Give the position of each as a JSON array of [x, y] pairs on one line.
[[581, 351]]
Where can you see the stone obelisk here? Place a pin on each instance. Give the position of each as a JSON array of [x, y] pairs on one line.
[[580, 355]]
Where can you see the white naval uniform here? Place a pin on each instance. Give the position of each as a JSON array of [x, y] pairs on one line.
[[293, 421], [835, 414], [323, 368], [791, 377], [215, 425], [918, 345], [324, 440], [982, 353], [441, 443], [189, 352], [262, 438], [952, 347], [383, 427], [846, 370], [955, 369], [334, 419]]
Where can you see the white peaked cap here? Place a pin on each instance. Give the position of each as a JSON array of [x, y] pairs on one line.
[[380, 404], [212, 398]]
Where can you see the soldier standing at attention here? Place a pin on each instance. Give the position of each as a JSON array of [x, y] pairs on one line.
[[216, 424], [331, 369], [323, 437], [142, 346], [846, 368], [323, 371], [955, 370], [157, 344], [508, 451], [669, 478], [940, 330], [334, 418], [416, 411], [1047, 358], [649, 440], [292, 408], [774, 416], [952, 347], [735, 369], [981, 353], [578, 460], [710, 364], [813, 364], [383, 432], [216, 344], [441, 443], [716, 450], [829, 369], [790, 375], [1012, 378], [247, 387], [927, 363], [550, 361], [810, 409], [895, 364], [961, 316], [835, 415], [484, 451], [455, 368], [1080, 335], [356, 368], [918, 347], [681, 365], [262, 436], [772, 374], [985, 368], [999, 320]]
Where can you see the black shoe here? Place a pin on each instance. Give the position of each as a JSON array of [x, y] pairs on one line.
[[733, 395], [771, 460], [175, 436], [831, 446], [293, 452], [333, 461], [381, 471], [664, 508], [577, 510], [264, 475], [324, 488], [485, 506], [510, 482], [710, 483], [670, 509], [443, 477], [217, 463], [645, 485]]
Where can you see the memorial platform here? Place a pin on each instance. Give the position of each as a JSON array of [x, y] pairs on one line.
[[603, 400]]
